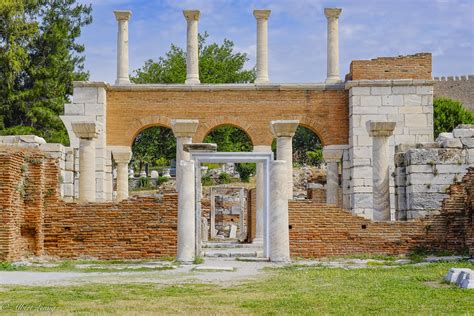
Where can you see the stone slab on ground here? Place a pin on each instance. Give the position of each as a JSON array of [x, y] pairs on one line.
[[453, 274], [214, 268]]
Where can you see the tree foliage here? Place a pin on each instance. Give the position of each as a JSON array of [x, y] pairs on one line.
[[39, 60], [229, 139], [448, 114], [155, 145]]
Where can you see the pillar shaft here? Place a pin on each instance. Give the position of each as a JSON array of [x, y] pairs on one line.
[[184, 131], [262, 45], [87, 184], [332, 183], [122, 46], [279, 232], [285, 153], [186, 213], [260, 195], [192, 47], [332, 15], [181, 155], [122, 181]]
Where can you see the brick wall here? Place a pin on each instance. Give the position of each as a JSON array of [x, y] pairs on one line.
[[317, 230], [416, 66], [318, 195]]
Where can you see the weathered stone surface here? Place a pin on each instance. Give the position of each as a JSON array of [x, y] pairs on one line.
[[463, 132], [200, 147], [443, 136], [451, 143], [468, 142]]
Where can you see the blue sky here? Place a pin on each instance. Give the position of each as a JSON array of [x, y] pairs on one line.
[[297, 33]]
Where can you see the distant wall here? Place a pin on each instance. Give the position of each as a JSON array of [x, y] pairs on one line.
[[459, 88]]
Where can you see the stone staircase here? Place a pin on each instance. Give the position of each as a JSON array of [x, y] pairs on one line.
[[233, 249]]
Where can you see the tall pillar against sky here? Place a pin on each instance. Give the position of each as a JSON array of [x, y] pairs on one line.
[[122, 17], [262, 45], [192, 46], [332, 15]]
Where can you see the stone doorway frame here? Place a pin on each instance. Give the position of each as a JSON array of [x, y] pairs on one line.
[[234, 157]]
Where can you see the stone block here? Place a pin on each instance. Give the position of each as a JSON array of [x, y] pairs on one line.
[[363, 200], [31, 139], [463, 132], [388, 110], [451, 143], [371, 100], [468, 142], [468, 282], [360, 162], [392, 100], [424, 90], [443, 136], [354, 101], [94, 109], [408, 140], [68, 189], [415, 120], [74, 109], [414, 109], [425, 200], [427, 102], [68, 176], [404, 90], [101, 96], [412, 100], [85, 95], [362, 110], [462, 276], [360, 91], [380, 90]]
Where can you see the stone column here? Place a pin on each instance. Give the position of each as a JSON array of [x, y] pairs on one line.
[[87, 133], [184, 131], [279, 231], [332, 155], [186, 216], [122, 46], [332, 14], [122, 156], [192, 47], [260, 191], [381, 131], [262, 45], [284, 130]]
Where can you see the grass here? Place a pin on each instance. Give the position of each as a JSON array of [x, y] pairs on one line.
[[404, 290]]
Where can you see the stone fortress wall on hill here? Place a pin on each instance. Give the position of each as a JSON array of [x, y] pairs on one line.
[[459, 88]]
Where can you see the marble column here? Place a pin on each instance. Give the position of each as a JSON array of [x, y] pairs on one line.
[[122, 156], [87, 132], [332, 15], [184, 131], [279, 231], [122, 46], [192, 47], [260, 191], [262, 45], [186, 216], [381, 132], [284, 130], [332, 155]]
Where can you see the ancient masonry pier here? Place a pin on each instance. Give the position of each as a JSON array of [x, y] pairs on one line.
[[87, 133], [262, 45], [122, 46], [122, 156], [381, 131], [186, 216], [192, 46], [284, 130], [184, 131], [332, 15], [279, 231]]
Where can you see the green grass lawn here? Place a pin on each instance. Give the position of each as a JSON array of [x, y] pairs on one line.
[[403, 290]]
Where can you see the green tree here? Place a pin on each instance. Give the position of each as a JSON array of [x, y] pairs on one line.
[[217, 64], [152, 145], [448, 114], [229, 139], [39, 60]]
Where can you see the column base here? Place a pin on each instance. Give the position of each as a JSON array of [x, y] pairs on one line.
[[333, 80], [262, 81], [121, 81], [192, 81]]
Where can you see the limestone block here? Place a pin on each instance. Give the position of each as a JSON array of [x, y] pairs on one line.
[[362, 110], [68, 189], [424, 90], [354, 101], [30, 139], [380, 90], [405, 139], [425, 200], [360, 162], [414, 109], [404, 90], [364, 140], [101, 96], [463, 132], [423, 188], [462, 276], [427, 178], [371, 100], [361, 153], [362, 189], [360, 91], [468, 282], [416, 120], [392, 110], [468, 142], [451, 143], [392, 100], [95, 109], [364, 172], [412, 100], [68, 177], [427, 102], [154, 174], [74, 109], [85, 95], [443, 136], [363, 200]]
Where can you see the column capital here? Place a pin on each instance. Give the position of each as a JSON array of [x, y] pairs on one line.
[[191, 15], [333, 153], [380, 129], [121, 154], [284, 128], [87, 130], [122, 15], [184, 128], [332, 13], [262, 148], [261, 14]]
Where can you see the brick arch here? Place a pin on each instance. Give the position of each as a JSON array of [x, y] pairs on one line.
[[205, 127], [138, 125], [317, 128]]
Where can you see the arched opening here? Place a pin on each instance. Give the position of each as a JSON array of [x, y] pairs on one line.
[[224, 202], [308, 163], [153, 160]]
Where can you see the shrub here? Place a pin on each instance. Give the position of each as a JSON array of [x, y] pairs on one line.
[[224, 178], [144, 182], [207, 181], [448, 114], [245, 170], [315, 158], [161, 180]]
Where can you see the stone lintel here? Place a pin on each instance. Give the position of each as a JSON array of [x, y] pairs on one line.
[[284, 128], [200, 147], [90, 84], [261, 14], [87, 130], [333, 153], [121, 154], [380, 129], [332, 13], [262, 148], [192, 15], [388, 83], [184, 128], [122, 15]]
